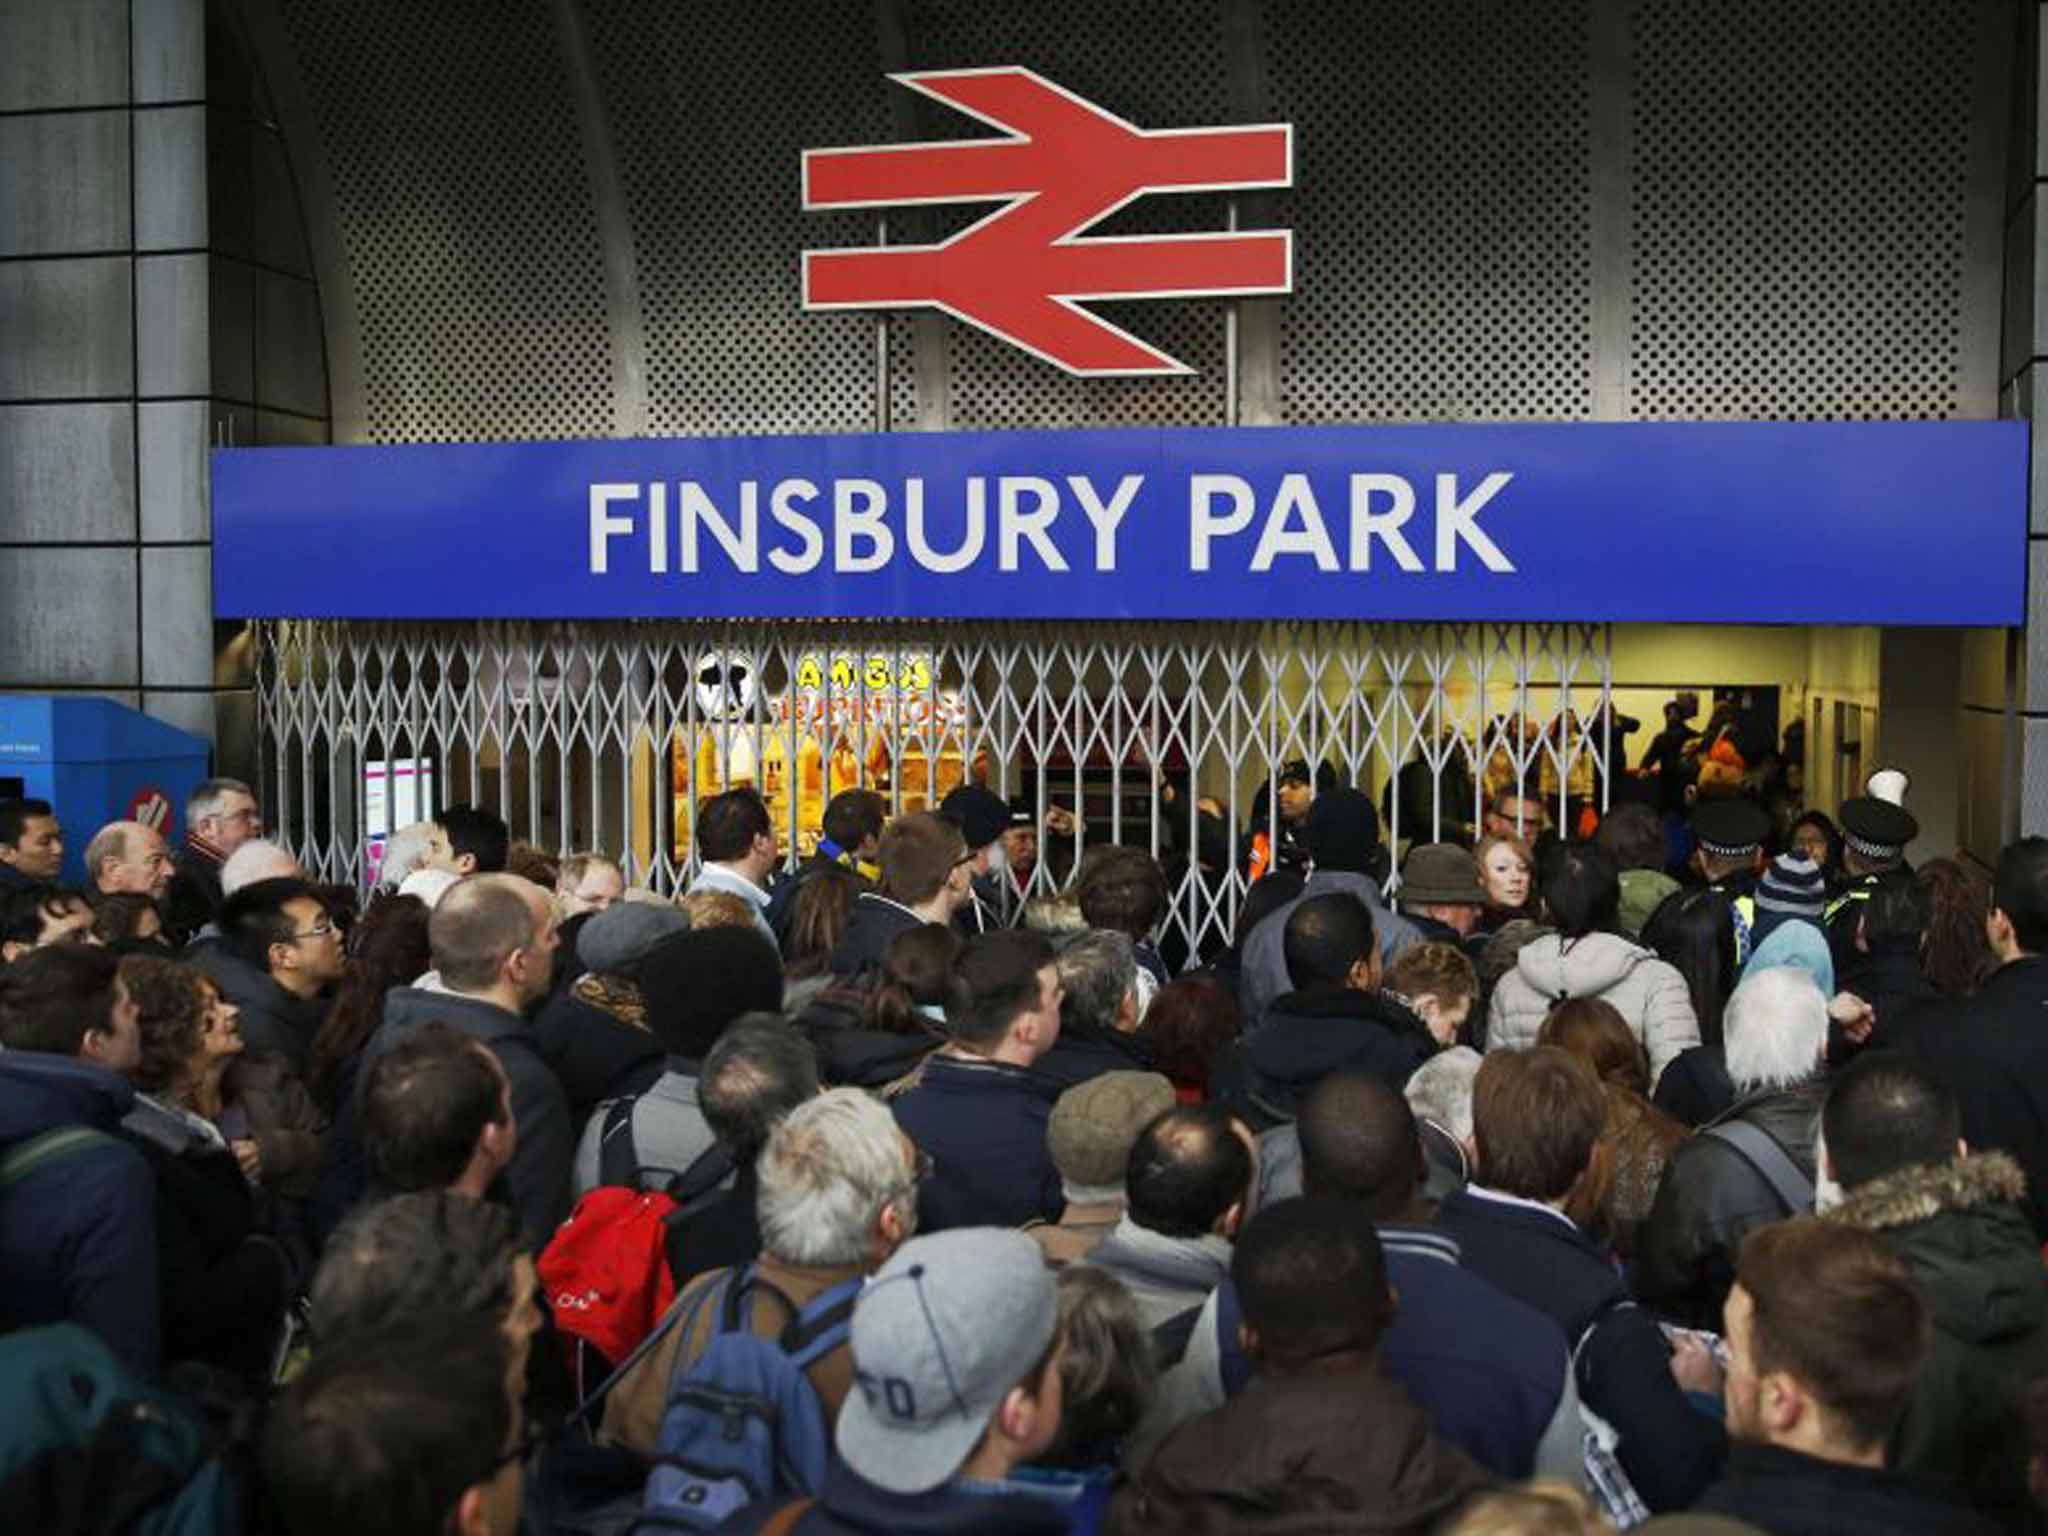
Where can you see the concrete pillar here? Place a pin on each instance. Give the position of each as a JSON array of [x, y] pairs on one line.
[[155, 298]]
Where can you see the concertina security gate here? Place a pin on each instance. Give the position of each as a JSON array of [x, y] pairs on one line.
[[605, 735]]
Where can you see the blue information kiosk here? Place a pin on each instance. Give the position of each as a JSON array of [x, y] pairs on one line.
[[96, 761]]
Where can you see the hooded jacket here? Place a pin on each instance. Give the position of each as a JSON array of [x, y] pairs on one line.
[[1340, 1448], [538, 1176], [1263, 974], [1712, 1197], [1964, 1232], [223, 1282], [1649, 994], [78, 1233], [1308, 1035], [1166, 1276]]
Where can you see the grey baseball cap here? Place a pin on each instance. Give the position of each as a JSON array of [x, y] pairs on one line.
[[940, 1335]]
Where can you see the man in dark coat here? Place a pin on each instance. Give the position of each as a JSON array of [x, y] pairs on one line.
[[1337, 1016], [1099, 1011], [1894, 1146], [1321, 1438], [978, 1107], [77, 1221], [493, 939], [279, 953], [1826, 1333], [220, 816], [1992, 1050], [1537, 1116]]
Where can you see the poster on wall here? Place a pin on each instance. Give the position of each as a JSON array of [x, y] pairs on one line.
[[396, 793]]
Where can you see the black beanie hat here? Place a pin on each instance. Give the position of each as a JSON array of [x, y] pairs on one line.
[[697, 983], [1343, 831]]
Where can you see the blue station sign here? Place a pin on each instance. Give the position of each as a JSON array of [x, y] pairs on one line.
[[1737, 523]]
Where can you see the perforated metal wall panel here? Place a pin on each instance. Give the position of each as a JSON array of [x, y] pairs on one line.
[[1157, 63], [1443, 211], [709, 110], [464, 209], [1675, 208], [1800, 186]]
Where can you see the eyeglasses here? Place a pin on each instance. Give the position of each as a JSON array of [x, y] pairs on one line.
[[319, 930]]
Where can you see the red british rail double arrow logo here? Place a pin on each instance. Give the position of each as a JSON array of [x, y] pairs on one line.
[[1063, 165]]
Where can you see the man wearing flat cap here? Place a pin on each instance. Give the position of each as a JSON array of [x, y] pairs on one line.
[[1874, 837]]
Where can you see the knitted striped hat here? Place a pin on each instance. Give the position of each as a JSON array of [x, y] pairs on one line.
[[1793, 887]]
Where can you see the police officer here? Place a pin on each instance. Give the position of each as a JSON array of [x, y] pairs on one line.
[[1728, 855], [1874, 837]]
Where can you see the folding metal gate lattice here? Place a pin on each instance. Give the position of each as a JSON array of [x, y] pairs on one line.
[[607, 734]]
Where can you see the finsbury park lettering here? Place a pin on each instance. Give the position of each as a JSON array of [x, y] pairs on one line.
[[1359, 522]]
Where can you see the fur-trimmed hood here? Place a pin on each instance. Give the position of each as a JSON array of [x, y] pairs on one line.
[[1919, 1194], [1963, 1229]]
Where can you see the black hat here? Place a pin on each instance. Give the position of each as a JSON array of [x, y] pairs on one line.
[[1021, 812], [980, 814], [1730, 827], [1877, 829], [1343, 831], [699, 981], [1295, 771]]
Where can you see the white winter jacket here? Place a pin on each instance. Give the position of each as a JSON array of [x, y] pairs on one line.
[[1648, 993]]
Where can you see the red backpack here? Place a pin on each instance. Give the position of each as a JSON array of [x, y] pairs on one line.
[[605, 1271]]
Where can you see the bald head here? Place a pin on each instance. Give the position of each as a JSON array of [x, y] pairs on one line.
[[494, 935], [1358, 1142], [128, 857], [255, 860]]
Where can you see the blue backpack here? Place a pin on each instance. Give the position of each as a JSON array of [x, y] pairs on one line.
[[743, 1422]]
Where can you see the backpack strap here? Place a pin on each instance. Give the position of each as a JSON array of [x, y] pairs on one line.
[[812, 1330], [48, 1147], [820, 1327], [616, 1162], [1771, 1162], [703, 1177], [784, 1520]]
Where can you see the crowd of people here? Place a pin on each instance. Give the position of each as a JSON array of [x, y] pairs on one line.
[[1685, 1168]]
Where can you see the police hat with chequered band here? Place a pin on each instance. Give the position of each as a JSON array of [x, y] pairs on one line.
[[1877, 829], [1730, 827]]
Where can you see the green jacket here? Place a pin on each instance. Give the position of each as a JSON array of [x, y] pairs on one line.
[[1964, 1232]]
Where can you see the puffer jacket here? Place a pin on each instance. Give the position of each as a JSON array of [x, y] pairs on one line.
[[1963, 1229], [1648, 993], [1712, 1197]]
